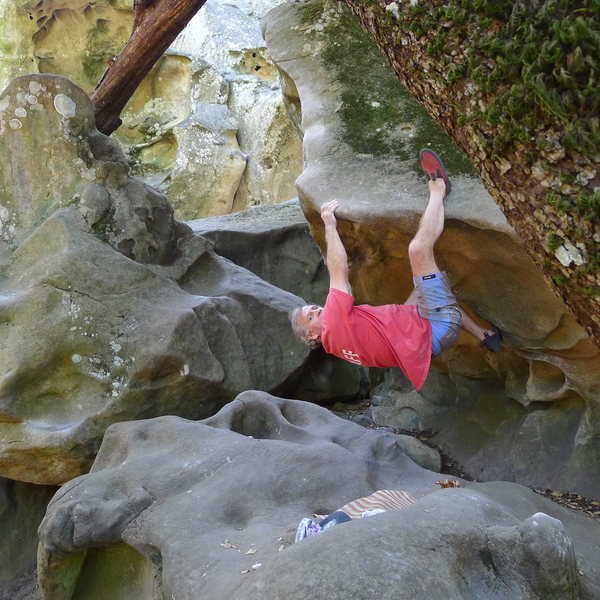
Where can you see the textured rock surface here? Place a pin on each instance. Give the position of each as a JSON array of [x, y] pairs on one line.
[[273, 242], [207, 123], [111, 310], [228, 37], [529, 413], [211, 508]]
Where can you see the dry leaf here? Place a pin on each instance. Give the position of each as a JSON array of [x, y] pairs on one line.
[[280, 548], [246, 571], [448, 483], [227, 544], [251, 551]]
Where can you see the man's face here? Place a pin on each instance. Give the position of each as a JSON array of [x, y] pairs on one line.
[[311, 317]]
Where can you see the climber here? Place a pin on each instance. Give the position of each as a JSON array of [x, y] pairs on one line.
[[395, 335]]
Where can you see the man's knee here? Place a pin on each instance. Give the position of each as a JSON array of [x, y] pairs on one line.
[[419, 249]]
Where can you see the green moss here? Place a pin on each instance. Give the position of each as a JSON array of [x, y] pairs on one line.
[[311, 12], [553, 241], [588, 205], [370, 90], [546, 58], [549, 58], [560, 203], [560, 280], [99, 48], [456, 72], [379, 116]]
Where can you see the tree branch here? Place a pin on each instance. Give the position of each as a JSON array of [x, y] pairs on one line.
[[157, 23]]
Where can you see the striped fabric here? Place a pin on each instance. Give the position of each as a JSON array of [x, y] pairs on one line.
[[382, 499]]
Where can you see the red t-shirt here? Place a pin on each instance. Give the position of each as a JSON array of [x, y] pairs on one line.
[[393, 335]]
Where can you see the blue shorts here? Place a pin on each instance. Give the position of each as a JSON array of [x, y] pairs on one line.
[[437, 303]]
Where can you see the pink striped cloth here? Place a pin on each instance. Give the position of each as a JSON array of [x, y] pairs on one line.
[[382, 499]]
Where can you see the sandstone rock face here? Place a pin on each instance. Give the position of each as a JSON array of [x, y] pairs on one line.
[[207, 123], [110, 309], [529, 413], [228, 37], [208, 509]]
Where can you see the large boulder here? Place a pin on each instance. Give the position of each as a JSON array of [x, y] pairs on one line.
[[273, 242], [207, 124], [111, 309], [174, 508], [529, 413]]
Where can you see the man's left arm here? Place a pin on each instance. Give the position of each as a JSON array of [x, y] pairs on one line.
[[336, 258]]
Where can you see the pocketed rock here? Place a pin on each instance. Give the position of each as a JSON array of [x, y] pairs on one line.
[[207, 123], [187, 508]]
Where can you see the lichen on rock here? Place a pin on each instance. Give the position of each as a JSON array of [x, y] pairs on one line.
[[110, 308], [254, 160]]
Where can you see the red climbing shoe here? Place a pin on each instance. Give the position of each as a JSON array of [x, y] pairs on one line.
[[434, 167]]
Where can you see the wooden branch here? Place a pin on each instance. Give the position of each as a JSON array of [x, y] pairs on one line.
[[157, 23]]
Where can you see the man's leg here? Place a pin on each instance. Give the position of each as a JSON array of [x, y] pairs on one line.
[[467, 322], [470, 326], [420, 249], [412, 298]]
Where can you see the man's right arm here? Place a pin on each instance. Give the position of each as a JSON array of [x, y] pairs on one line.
[[336, 257]]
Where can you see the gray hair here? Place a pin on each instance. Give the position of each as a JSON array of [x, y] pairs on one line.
[[299, 331]]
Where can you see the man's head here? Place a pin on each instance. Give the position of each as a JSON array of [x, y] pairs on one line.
[[307, 323]]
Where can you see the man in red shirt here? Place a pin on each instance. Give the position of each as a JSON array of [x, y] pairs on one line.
[[394, 335]]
